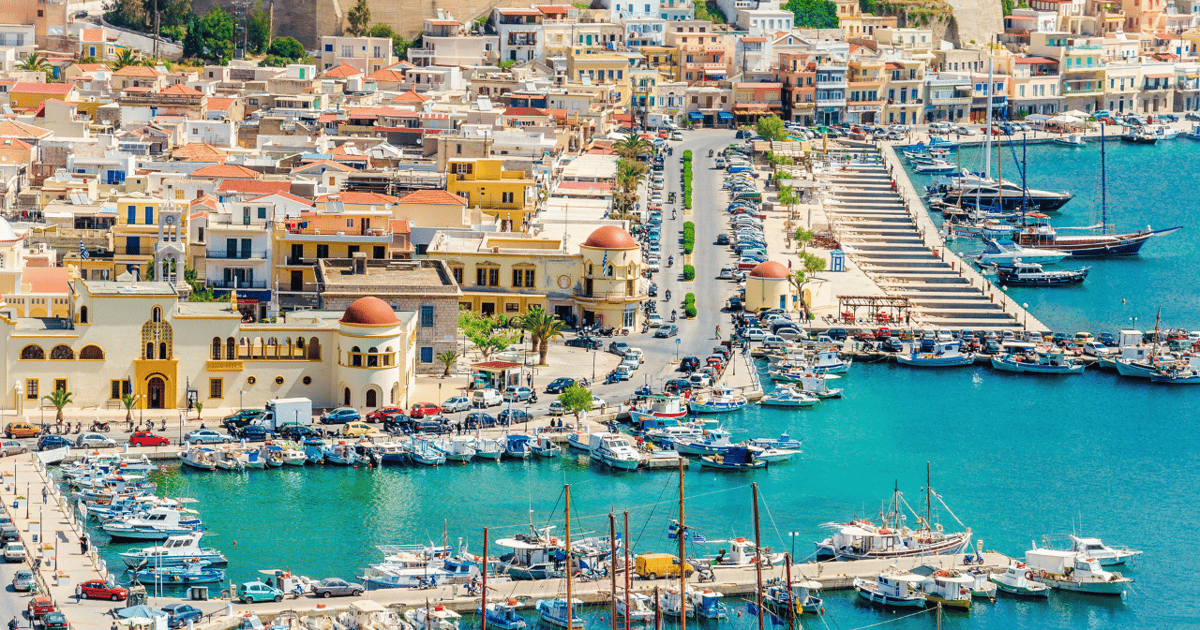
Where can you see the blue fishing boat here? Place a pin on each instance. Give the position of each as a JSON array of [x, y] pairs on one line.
[[342, 454], [944, 354], [555, 611], [707, 604], [891, 589], [517, 446], [314, 450], [1045, 362], [1176, 377], [736, 458], [783, 441], [709, 442], [721, 400], [503, 615], [191, 573], [545, 447]]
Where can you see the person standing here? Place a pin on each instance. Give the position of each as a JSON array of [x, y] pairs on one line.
[[78, 593]]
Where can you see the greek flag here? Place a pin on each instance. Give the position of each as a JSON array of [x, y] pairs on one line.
[[604, 264], [83, 253]]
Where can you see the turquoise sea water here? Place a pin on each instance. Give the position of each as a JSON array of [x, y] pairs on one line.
[[1147, 185], [1016, 457]]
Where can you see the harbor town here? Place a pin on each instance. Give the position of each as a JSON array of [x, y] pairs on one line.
[[392, 317]]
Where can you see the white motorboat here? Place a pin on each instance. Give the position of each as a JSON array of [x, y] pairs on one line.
[[1072, 571], [1107, 556], [486, 448], [432, 618], [156, 524], [1071, 140], [641, 608], [176, 551], [789, 397], [1006, 252], [199, 458], [615, 449], [1018, 580], [672, 604], [1027, 274], [1044, 361], [721, 400], [937, 354], [892, 589], [456, 449], [947, 587]]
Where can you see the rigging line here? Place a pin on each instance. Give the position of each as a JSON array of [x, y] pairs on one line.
[[771, 516], [646, 523], [881, 623], [940, 500]]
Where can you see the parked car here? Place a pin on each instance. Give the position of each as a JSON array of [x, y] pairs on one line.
[[585, 342], [689, 364], [297, 432], [358, 429], [516, 393], [340, 415], [145, 438], [94, 440], [1097, 349], [99, 589], [1108, 339], [666, 330], [54, 621], [837, 334], [456, 404], [622, 372], [754, 334], [422, 409], [722, 239], [481, 419], [484, 398], [251, 592], [179, 614], [379, 415], [48, 442], [12, 447], [700, 380], [618, 348], [513, 416], [559, 385], [20, 430], [207, 436], [23, 581], [775, 341], [241, 418], [337, 587], [255, 433], [40, 606], [15, 552]]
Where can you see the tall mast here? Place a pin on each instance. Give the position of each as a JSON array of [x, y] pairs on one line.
[[625, 548], [758, 559], [612, 568], [928, 505], [682, 556], [792, 603], [987, 135], [483, 596], [1103, 186], [570, 568], [1024, 171]]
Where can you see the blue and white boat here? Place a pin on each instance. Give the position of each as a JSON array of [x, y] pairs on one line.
[[343, 454], [736, 458], [408, 570], [191, 573], [788, 397], [1042, 362], [709, 441], [487, 448], [545, 447], [314, 450], [176, 551], [156, 524], [721, 400], [423, 452], [503, 615], [707, 604], [458, 449], [517, 446], [1176, 377], [555, 612], [942, 354], [892, 589], [783, 441], [829, 362], [198, 458], [1006, 252]]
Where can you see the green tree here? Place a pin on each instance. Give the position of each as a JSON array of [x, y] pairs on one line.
[[447, 359], [400, 45], [576, 399], [286, 47], [34, 63], [811, 264], [211, 37], [59, 398], [542, 327], [128, 401], [633, 147], [258, 29], [487, 333], [506, 64], [359, 18], [126, 58], [813, 13], [804, 237], [770, 128], [199, 409]]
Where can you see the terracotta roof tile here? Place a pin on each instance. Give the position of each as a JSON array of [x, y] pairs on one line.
[[180, 89], [199, 152], [436, 197], [42, 88], [254, 186], [359, 198], [286, 195], [328, 164], [342, 71], [223, 171], [137, 71]]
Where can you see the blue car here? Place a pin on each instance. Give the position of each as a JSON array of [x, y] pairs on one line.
[[179, 614], [339, 416], [255, 433], [207, 436], [47, 442]]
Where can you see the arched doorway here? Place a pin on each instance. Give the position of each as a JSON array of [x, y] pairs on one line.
[[372, 398], [156, 393]]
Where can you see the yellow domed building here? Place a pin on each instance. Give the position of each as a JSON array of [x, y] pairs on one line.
[[610, 290], [768, 286], [372, 345]]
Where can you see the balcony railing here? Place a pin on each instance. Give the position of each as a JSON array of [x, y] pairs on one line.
[[238, 255], [223, 284], [1071, 91], [606, 295]]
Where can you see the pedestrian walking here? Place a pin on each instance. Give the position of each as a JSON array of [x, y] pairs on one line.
[[78, 593], [718, 331], [83, 545], [45, 495]]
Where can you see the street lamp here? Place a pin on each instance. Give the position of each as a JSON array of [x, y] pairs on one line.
[[1025, 321]]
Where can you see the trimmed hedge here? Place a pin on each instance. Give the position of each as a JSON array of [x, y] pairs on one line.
[[689, 237], [689, 299], [689, 272], [690, 312], [687, 179]]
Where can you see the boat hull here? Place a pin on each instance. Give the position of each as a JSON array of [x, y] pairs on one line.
[[1115, 588], [876, 597], [1035, 368], [1021, 591], [930, 360]]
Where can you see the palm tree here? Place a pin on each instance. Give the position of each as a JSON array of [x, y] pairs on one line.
[[633, 147], [447, 359], [129, 400], [199, 409], [59, 398], [542, 327], [126, 58], [812, 264], [34, 63]]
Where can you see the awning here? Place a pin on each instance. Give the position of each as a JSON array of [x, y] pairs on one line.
[[725, 116], [695, 115]]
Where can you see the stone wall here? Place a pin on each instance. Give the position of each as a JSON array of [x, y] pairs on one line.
[[976, 21]]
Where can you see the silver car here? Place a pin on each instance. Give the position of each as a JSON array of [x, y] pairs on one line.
[[12, 447], [92, 440]]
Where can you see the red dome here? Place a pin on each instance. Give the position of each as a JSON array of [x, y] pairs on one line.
[[770, 270], [610, 237], [369, 311]]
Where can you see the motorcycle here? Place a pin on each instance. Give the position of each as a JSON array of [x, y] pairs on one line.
[[710, 153], [670, 260], [668, 294], [672, 316], [78, 427], [100, 426], [533, 398], [583, 382]]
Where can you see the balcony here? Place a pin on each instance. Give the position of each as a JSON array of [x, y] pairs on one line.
[[224, 366], [230, 284], [949, 100], [1072, 88], [821, 102], [833, 84], [610, 296], [237, 255]]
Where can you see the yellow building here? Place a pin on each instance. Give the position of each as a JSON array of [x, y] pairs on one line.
[[601, 69], [142, 222], [28, 290], [665, 59], [483, 182], [32, 95], [769, 286], [297, 245]]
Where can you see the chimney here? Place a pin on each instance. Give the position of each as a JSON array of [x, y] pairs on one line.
[[360, 263]]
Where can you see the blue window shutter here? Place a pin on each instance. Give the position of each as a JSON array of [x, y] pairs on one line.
[[132, 218]]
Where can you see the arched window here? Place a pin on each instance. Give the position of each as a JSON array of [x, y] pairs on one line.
[[387, 356], [163, 353], [149, 350], [346, 397], [230, 349], [91, 353], [33, 353], [216, 349], [373, 357], [62, 353], [83, 315], [314, 349], [156, 314], [355, 357], [372, 398]]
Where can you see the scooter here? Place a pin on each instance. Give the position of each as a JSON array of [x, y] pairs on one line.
[[710, 153], [672, 316], [670, 261]]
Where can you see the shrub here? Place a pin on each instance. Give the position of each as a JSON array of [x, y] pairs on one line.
[[689, 272], [690, 312], [687, 155], [689, 299]]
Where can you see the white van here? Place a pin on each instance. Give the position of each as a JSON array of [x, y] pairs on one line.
[[720, 162], [484, 398]]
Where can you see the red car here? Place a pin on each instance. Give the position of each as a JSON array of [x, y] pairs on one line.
[[145, 438], [380, 415], [39, 606], [883, 333], [98, 589], [422, 409]]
